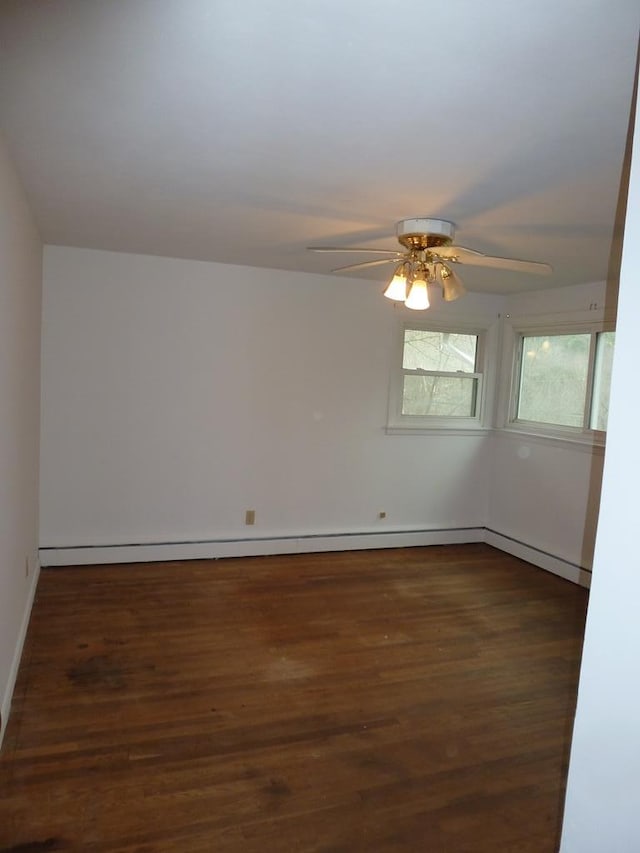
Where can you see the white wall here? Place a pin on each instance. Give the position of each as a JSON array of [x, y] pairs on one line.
[[601, 810], [20, 295], [545, 493], [178, 394]]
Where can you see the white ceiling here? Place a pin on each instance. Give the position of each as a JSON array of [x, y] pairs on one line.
[[243, 132]]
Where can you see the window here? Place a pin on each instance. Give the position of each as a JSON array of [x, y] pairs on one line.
[[439, 382], [563, 380], [602, 381]]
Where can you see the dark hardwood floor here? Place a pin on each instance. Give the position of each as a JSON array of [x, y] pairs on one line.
[[414, 699]]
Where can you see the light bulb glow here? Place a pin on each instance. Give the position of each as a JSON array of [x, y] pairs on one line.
[[397, 287], [418, 298]]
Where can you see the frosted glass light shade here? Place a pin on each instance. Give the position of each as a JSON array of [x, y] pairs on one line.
[[397, 288], [452, 287], [418, 298]]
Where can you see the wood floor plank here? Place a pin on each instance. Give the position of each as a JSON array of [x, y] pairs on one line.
[[398, 700]]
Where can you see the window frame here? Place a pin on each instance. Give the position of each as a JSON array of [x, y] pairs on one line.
[[398, 423], [521, 330]]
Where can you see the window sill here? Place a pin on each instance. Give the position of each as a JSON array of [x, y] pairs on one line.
[[437, 430], [584, 442]]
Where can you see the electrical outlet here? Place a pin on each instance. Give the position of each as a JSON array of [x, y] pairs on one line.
[[250, 516], [382, 514]]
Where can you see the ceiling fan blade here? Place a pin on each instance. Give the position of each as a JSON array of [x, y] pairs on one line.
[[351, 249], [462, 255], [366, 264], [453, 251]]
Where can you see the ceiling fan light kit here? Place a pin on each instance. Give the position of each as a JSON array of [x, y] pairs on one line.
[[427, 257]]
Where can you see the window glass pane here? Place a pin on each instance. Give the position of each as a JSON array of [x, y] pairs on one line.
[[442, 351], [553, 379], [602, 380], [439, 396]]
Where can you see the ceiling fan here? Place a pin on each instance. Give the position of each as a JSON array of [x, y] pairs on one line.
[[427, 257]]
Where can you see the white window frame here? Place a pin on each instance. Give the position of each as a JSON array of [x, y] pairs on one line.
[[398, 423], [515, 333]]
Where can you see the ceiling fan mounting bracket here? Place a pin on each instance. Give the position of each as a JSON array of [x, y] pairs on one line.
[[421, 234]]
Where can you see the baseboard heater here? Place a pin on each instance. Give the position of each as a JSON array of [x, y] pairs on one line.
[[253, 546], [198, 549]]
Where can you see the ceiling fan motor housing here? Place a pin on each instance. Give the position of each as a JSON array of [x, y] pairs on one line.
[[425, 233]]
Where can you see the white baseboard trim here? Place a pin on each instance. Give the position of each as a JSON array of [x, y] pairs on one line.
[[254, 547], [214, 549], [5, 708], [549, 562]]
